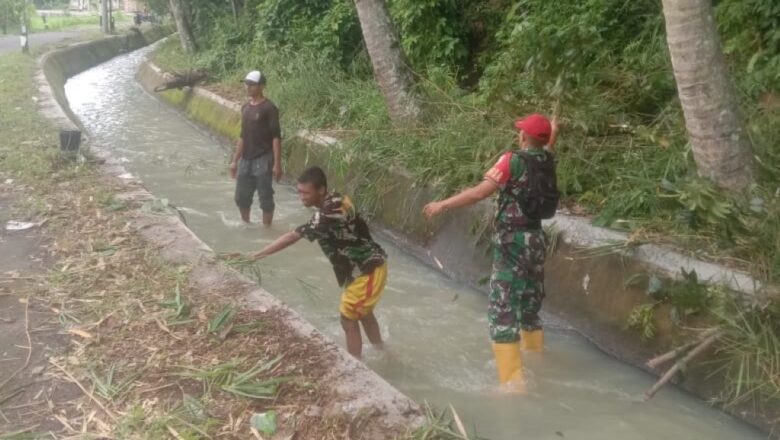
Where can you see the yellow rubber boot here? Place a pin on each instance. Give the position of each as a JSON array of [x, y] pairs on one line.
[[532, 341], [509, 366]]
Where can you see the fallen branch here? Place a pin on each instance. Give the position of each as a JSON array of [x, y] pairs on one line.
[[174, 433], [29, 344], [673, 354], [181, 80], [679, 364], [255, 433], [164, 328]]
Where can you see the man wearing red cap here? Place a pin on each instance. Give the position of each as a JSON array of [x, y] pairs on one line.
[[525, 182]]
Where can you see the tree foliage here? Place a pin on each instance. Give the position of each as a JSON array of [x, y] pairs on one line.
[[158, 7], [10, 15]]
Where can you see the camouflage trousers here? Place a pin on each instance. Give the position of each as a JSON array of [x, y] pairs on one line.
[[516, 284]]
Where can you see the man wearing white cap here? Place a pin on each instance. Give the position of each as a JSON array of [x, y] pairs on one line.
[[258, 157]]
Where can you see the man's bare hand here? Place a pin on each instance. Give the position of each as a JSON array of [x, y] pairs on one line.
[[277, 172], [433, 209], [233, 169]]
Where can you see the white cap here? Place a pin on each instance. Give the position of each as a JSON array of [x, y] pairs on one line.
[[255, 77]]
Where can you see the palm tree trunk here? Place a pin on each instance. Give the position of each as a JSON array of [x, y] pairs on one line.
[[179, 9], [720, 145], [390, 66], [235, 7], [104, 23]]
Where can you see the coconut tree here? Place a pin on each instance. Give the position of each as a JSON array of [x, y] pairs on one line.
[[180, 10], [720, 145], [391, 69]]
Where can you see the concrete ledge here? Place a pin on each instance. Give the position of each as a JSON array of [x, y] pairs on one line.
[[588, 293], [357, 389]]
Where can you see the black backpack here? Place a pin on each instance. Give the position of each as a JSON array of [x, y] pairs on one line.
[[540, 198]]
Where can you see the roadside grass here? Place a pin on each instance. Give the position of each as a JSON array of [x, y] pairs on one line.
[[70, 21]]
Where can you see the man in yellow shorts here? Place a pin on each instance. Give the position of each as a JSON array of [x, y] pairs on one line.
[[359, 262]]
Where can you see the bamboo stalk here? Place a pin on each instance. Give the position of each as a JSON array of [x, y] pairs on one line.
[[673, 354], [679, 364]]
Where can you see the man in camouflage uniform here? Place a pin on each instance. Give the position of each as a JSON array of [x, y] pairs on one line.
[[517, 280], [358, 261]]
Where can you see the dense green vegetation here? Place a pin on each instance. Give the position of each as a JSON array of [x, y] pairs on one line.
[[604, 64]]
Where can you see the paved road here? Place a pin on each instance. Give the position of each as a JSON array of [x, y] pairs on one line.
[[10, 43]]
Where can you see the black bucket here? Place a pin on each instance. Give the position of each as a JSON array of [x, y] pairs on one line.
[[70, 140]]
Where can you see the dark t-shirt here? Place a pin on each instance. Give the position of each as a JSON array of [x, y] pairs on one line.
[[344, 238], [259, 127]]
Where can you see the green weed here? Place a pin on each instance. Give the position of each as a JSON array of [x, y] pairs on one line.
[[106, 386], [249, 327], [642, 318], [222, 320], [226, 377], [749, 351], [180, 310]]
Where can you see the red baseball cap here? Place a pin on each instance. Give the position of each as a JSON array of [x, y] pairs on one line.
[[536, 126]]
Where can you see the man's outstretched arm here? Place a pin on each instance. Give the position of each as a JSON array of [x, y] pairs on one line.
[[466, 197], [279, 244]]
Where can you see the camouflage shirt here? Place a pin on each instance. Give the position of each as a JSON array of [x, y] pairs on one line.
[[509, 173], [344, 238]]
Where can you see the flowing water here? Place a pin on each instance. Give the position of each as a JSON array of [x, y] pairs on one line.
[[436, 330]]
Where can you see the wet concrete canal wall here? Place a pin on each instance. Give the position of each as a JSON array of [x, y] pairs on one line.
[[589, 292], [348, 378]]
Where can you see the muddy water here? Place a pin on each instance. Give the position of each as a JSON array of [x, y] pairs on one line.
[[436, 331]]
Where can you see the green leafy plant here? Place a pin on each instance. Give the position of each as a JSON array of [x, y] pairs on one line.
[[704, 205], [180, 310], [222, 320], [642, 319], [688, 296]]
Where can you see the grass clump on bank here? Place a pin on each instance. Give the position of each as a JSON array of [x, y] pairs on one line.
[[748, 335]]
